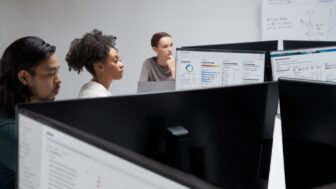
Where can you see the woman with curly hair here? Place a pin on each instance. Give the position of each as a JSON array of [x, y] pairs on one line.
[[97, 53]]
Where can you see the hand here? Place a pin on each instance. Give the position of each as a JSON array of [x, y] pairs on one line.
[[171, 65]]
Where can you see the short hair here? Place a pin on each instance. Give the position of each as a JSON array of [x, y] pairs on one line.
[[26, 53], [156, 38], [91, 48]]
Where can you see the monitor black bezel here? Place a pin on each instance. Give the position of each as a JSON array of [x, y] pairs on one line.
[[287, 44], [128, 155], [234, 46], [221, 50]]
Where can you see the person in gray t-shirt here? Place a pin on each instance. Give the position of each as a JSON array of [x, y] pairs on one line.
[[161, 67]]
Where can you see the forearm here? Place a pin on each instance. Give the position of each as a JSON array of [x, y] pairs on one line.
[[171, 65]]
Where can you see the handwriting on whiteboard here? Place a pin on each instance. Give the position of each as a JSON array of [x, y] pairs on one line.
[[298, 19], [278, 23]]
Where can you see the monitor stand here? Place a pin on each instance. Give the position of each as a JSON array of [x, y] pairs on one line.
[[178, 148]]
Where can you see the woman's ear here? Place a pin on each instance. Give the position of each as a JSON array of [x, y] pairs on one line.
[[98, 66], [24, 77], [154, 49]]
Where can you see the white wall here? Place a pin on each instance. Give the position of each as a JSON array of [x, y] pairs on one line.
[[190, 22]]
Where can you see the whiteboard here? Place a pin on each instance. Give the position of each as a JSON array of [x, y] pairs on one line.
[[298, 20]]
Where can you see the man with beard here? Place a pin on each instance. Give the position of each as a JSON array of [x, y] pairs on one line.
[[28, 73]]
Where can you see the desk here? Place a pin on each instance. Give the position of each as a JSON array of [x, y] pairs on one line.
[[277, 172]]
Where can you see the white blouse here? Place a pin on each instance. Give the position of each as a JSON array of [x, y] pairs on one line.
[[93, 89]]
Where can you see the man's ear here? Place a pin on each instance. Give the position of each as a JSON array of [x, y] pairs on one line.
[[23, 77]]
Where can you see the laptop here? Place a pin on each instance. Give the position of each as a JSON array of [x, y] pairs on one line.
[[155, 86]]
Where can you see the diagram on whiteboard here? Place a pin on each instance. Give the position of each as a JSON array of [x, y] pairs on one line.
[[298, 20], [314, 29], [332, 23]]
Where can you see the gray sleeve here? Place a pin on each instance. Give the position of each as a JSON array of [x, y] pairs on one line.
[[144, 76]]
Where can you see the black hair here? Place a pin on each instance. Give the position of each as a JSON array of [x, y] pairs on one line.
[[26, 53], [88, 50], [156, 38]]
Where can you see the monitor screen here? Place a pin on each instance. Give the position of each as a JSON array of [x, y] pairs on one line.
[[312, 63], [57, 157], [308, 110], [197, 68], [298, 44], [266, 46], [230, 129]]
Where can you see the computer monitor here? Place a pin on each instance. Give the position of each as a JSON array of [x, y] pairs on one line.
[[155, 86], [312, 63], [221, 135], [55, 156], [252, 46], [308, 110], [298, 44], [266, 46], [197, 68]]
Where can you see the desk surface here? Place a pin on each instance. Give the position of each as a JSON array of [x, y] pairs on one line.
[[277, 172]]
